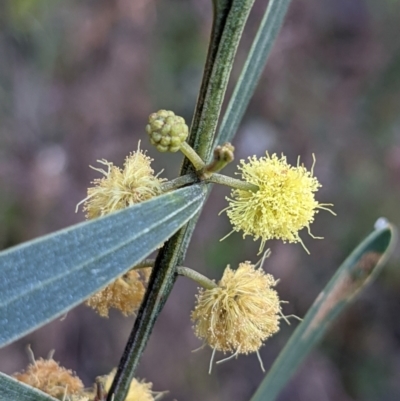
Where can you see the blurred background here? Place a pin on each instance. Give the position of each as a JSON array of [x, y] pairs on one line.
[[78, 80]]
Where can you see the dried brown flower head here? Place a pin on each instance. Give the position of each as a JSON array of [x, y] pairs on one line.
[[125, 293], [241, 313], [48, 376]]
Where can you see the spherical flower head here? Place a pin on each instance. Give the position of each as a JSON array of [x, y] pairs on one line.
[[241, 313], [125, 294], [138, 390], [167, 131], [48, 376], [283, 205], [120, 188]]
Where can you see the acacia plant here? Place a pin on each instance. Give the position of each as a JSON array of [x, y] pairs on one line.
[[132, 211]]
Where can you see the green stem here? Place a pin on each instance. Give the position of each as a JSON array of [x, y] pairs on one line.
[[232, 16], [229, 20], [233, 182], [178, 182], [194, 158], [204, 281], [199, 278], [220, 12], [161, 282]]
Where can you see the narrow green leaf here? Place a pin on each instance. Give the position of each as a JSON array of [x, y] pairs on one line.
[[231, 18], [253, 68], [13, 390], [357, 270], [220, 12], [44, 278]]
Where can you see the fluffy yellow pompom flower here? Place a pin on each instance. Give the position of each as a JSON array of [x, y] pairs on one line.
[[120, 188], [283, 205], [138, 390], [240, 313], [48, 376], [125, 294]]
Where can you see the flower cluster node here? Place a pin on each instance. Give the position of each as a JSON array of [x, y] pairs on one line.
[[167, 131], [125, 294], [284, 204], [48, 376], [241, 313]]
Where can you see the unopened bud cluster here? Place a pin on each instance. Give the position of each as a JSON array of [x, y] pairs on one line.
[[167, 131]]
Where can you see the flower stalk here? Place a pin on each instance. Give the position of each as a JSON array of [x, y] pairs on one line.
[[194, 158], [233, 182], [200, 279]]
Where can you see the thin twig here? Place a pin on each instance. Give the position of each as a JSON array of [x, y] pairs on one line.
[[232, 182]]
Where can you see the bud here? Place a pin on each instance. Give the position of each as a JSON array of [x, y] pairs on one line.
[[167, 131]]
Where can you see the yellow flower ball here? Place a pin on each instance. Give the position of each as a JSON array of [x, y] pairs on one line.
[[283, 205], [240, 313], [120, 188]]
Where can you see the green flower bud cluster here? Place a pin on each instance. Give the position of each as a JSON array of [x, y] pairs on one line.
[[167, 131]]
